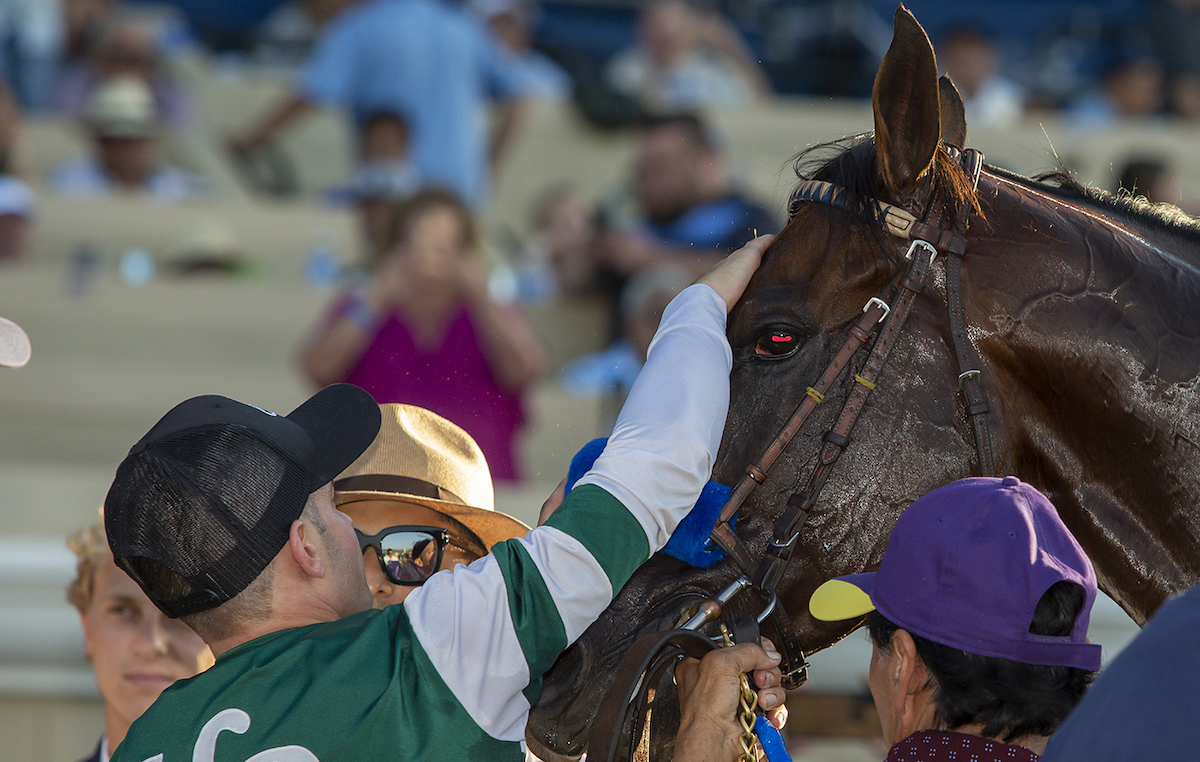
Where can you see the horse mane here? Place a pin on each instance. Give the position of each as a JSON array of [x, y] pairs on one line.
[[849, 163], [1060, 183]]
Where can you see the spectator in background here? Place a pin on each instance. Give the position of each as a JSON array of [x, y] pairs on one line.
[[424, 331], [135, 651], [16, 210], [31, 35], [1175, 27], [991, 101], [83, 21], [640, 309], [692, 215], [1132, 89], [124, 126], [422, 58], [386, 176], [124, 47], [535, 75], [557, 262], [1148, 177], [687, 60]]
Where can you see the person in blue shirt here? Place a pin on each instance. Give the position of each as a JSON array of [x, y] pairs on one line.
[[691, 213], [422, 58], [537, 76]]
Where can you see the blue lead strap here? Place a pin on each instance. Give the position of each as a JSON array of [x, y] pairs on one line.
[[772, 742]]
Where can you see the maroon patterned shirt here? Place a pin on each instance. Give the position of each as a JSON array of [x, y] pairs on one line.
[[944, 746]]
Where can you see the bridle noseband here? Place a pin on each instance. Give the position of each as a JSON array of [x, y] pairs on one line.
[[890, 309]]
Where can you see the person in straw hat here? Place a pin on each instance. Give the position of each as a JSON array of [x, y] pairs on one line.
[[421, 500]]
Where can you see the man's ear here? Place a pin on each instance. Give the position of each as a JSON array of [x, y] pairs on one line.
[[306, 550], [910, 683]]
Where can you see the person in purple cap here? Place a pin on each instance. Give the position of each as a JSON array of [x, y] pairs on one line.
[[978, 619]]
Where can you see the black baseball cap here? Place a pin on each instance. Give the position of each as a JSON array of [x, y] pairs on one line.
[[204, 502]]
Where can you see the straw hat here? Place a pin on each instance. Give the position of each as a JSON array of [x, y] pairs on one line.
[[15, 349], [421, 458], [123, 107]]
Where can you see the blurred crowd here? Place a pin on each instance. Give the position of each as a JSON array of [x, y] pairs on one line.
[[435, 90]]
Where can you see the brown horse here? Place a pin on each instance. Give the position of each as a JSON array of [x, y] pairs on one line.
[[1084, 310]]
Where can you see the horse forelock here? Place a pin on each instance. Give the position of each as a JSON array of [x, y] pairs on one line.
[[850, 164]]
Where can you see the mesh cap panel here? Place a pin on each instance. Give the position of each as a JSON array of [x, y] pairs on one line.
[[194, 518]]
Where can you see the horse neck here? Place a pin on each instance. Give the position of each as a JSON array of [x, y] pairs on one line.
[[1089, 328]]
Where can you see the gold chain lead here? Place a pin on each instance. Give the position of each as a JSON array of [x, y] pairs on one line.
[[747, 703]]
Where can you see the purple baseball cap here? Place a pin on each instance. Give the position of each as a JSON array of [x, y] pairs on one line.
[[966, 566]]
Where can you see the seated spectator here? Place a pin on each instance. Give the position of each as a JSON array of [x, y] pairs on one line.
[[978, 619], [1132, 89], [124, 127], [557, 261], [425, 331], [421, 501], [387, 175], [16, 210], [1175, 27], [135, 651], [640, 308], [535, 75], [1148, 177], [126, 47], [692, 213], [991, 100], [684, 60]]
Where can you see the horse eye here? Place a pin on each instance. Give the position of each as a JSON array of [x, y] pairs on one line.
[[776, 344]]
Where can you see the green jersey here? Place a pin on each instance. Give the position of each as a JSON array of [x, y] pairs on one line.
[[450, 674]]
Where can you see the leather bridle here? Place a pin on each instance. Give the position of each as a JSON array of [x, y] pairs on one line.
[[888, 311], [622, 712]]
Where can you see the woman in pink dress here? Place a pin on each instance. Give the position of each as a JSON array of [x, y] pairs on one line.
[[424, 331]]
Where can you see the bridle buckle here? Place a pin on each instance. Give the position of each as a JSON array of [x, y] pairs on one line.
[[962, 377], [917, 242], [875, 300]]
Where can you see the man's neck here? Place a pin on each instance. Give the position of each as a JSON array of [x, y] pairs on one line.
[[276, 622]]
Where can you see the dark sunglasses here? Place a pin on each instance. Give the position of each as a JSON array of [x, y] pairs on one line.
[[409, 555]]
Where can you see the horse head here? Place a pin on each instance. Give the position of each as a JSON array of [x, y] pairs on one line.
[[1044, 267]]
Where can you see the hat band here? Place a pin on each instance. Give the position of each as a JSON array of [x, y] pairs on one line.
[[404, 485]]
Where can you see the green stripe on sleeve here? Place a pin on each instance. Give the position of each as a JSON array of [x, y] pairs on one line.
[[542, 636], [606, 528]]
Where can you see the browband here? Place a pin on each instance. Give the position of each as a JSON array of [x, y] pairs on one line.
[[898, 221]]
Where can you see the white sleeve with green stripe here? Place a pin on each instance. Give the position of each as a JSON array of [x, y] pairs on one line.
[[493, 628]]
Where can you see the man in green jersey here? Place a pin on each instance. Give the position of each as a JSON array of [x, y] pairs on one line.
[[224, 514]]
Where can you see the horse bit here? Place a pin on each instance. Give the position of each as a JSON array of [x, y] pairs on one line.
[[651, 655]]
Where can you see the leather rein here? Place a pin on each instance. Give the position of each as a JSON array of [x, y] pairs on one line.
[[623, 711], [935, 234]]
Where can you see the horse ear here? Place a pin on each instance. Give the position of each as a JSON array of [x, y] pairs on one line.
[[905, 100], [954, 114]]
